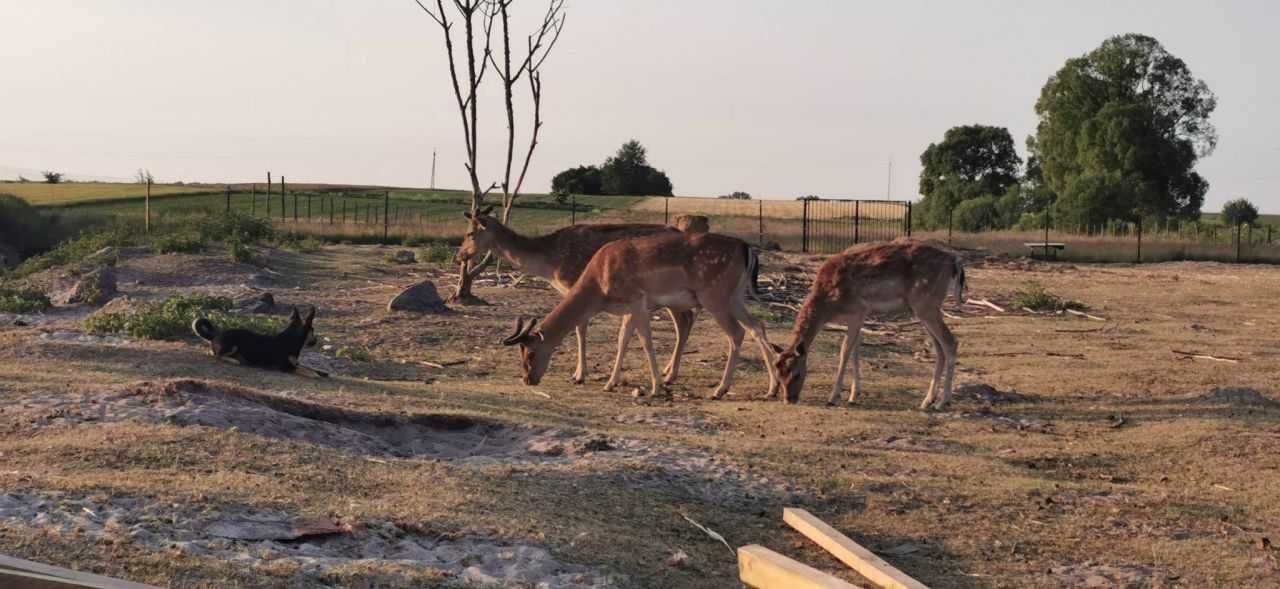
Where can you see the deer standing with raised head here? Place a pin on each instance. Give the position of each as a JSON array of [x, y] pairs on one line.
[[559, 258], [877, 277], [632, 276]]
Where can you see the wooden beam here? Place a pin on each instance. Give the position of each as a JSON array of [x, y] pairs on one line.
[[865, 562], [762, 568], [16, 573]]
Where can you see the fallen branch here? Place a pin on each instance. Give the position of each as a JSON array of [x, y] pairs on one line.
[[710, 532], [539, 393], [1200, 356], [984, 303], [1085, 315], [950, 316], [792, 308], [441, 365]]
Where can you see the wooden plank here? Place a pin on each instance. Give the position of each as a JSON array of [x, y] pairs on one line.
[[16, 573], [762, 568], [865, 562]]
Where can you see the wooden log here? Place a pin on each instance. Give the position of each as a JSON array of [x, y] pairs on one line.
[[762, 568], [24, 574], [865, 562]]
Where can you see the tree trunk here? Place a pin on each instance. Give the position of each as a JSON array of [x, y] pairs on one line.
[[463, 295]]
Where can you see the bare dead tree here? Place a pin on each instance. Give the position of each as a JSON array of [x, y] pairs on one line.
[[466, 93], [479, 58], [538, 46]]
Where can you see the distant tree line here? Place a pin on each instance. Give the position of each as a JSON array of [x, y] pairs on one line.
[[1120, 131], [625, 173]]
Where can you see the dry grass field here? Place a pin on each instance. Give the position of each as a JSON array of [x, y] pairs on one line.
[[40, 193], [1101, 459]]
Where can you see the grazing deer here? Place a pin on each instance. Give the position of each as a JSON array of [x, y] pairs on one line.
[[560, 258], [877, 277], [631, 276]]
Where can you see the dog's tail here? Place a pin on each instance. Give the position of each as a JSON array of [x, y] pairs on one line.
[[957, 281], [204, 329]]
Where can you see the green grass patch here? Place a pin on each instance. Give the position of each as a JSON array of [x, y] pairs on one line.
[[178, 243], [437, 253], [26, 300], [354, 353], [1034, 296], [173, 316]]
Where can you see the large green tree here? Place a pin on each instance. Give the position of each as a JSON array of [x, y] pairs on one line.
[[971, 162], [628, 172], [1120, 131]]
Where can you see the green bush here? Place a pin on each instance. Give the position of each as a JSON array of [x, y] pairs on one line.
[[299, 243], [178, 243], [173, 317], [241, 253], [1034, 296], [437, 253], [354, 353], [235, 226], [23, 300], [75, 250], [976, 214]]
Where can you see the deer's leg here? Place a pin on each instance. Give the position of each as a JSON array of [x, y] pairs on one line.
[[848, 347], [580, 374], [944, 345], [624, 337], [640, 322], [683, 321], [767, 355], [855, 331], [734, 332]]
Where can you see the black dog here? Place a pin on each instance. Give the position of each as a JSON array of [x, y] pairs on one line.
[[279, 351]]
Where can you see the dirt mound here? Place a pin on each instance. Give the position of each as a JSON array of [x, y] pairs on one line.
[[1122, 576], [466, 440], [1237, 396], [986, 393], [233, 533]]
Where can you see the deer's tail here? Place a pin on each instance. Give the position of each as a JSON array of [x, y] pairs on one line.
[[957, 281]]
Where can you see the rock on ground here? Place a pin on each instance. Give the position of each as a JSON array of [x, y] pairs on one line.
[[262, 304], [421, 297], [1237, 396], [94, 288], [404, 257]]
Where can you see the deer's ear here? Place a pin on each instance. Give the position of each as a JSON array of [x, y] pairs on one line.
[[777, 349], [467, 214], [485, 211]]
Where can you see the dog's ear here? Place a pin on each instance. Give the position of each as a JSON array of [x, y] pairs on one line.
[[294, 317], [311, 315]]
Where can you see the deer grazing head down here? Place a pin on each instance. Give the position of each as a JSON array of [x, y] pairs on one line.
[[535, 354], [479, 236], [792, 369]]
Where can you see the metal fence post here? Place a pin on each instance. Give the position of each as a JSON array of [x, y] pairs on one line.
[[908, 218], [950, 217], [331, 209], [253, 199], [282, 201], [228, 187], [804, 228], [573, 209], [857, 219], [666, 211], [1139, 239], [1239, 234], [344, 211], [386, 206], [760, 207]]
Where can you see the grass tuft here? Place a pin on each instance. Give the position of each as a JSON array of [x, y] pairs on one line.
[[1034, 296], [23, 300], [173, 316]]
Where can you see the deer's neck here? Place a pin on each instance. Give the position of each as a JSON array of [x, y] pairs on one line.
[[582, 303], [529, 253], [809, 321]]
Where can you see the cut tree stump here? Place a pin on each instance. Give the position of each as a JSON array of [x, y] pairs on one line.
[[762, 568], [865, 562]]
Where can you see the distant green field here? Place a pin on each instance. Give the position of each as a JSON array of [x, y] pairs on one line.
[[1262, 219], [40, 193]]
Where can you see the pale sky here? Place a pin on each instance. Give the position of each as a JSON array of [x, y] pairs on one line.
[[777, 98]]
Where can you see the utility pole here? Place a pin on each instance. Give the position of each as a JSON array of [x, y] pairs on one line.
[[433, 169], [888, 191]]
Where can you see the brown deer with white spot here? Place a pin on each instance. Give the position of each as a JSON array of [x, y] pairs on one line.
[[559, 258], [630, 277], [877, 277]]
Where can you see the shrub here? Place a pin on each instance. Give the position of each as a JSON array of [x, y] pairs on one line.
[[52, 177], [178, 243], [241, 253], [75, 250], [299, 243], [354, 353], [437, 253], [1034, 296], [173, 317], [235, 226], [976, 214], [23, 300]]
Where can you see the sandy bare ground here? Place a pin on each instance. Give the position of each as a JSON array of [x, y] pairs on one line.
[[1083, 453]]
